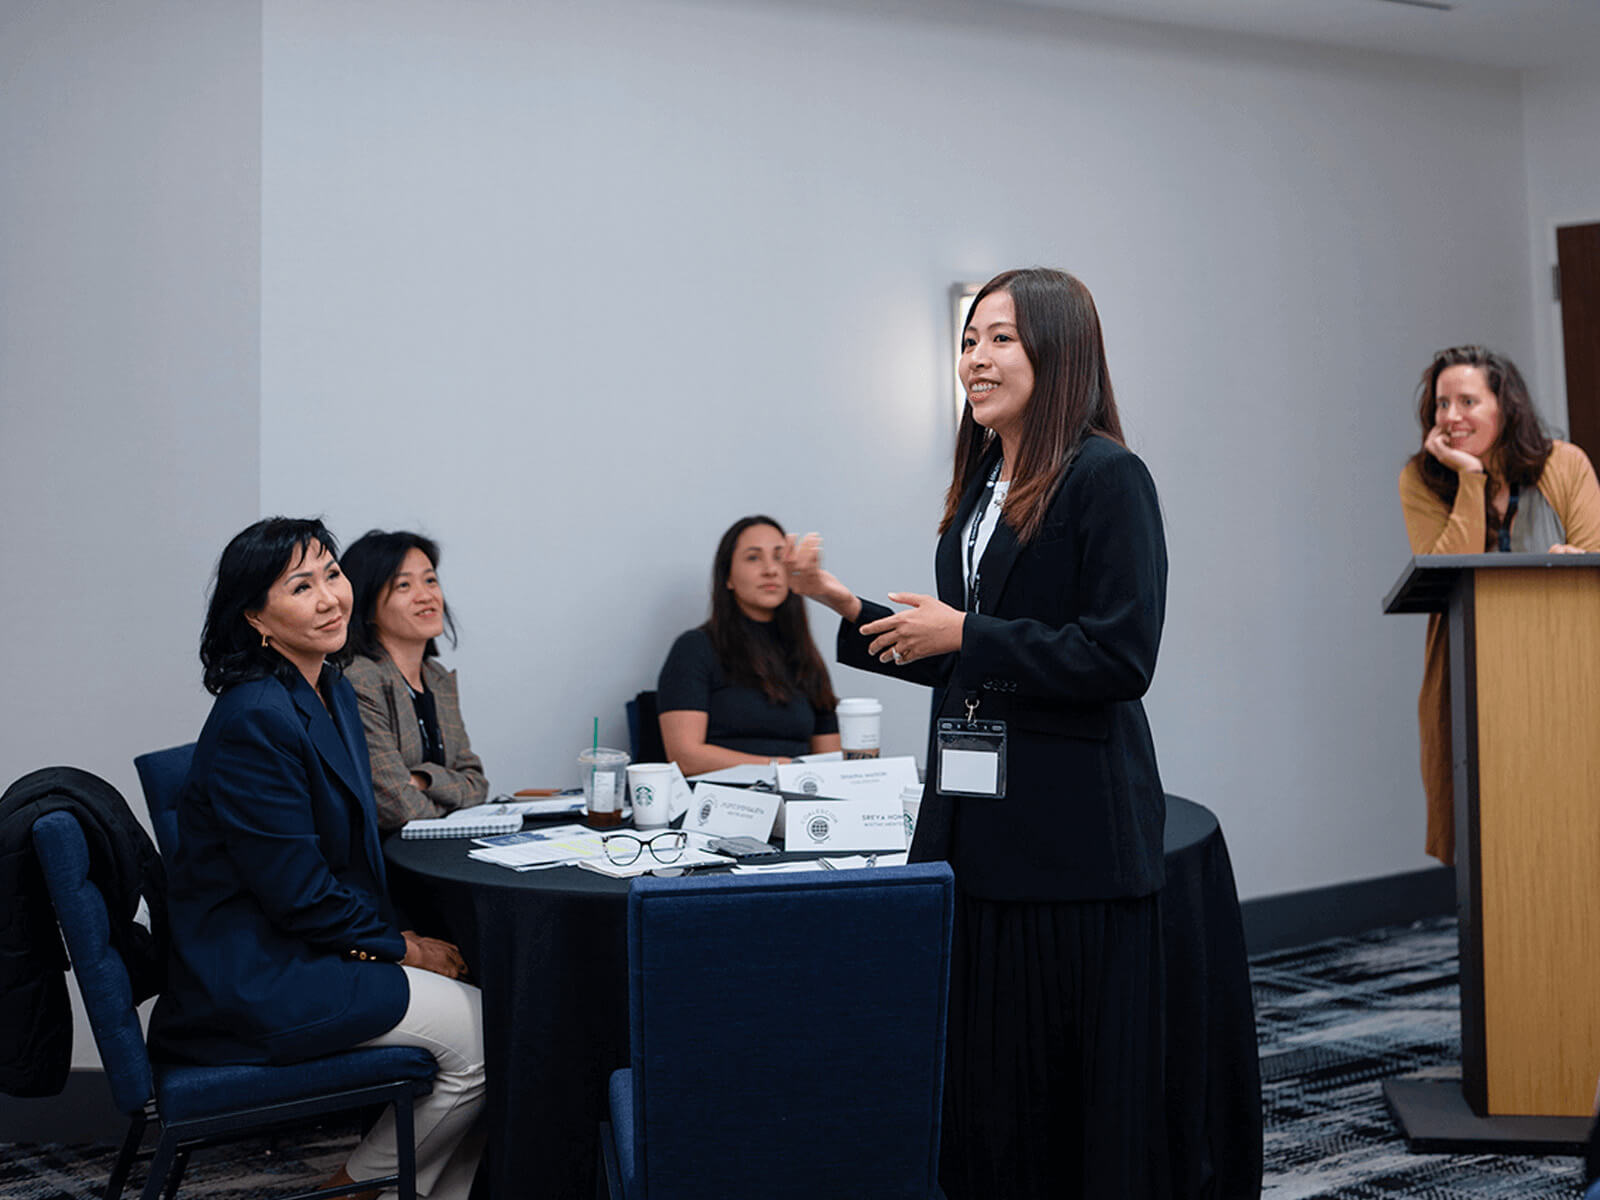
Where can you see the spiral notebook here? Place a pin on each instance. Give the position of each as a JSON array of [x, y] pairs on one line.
[[463, 823]]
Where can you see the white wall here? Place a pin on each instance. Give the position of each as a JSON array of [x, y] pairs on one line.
[[572, 287], [129, 367], [1561, 113]]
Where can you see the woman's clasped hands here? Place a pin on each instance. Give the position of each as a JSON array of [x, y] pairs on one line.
[[433, 954], [926, 629]]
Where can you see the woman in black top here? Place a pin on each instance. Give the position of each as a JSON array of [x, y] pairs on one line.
[[749, 684], [1051, 569]]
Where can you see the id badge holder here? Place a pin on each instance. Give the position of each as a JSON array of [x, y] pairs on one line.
[[972, 757]]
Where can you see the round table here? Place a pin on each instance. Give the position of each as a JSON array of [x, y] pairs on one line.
[[549, 949]]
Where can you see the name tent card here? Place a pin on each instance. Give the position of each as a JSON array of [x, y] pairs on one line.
[[830, 825], [682, 795], [878, 779], [854, 779], [731, 812]]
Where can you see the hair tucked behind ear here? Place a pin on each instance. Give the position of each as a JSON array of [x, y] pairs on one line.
[[230, 649], [370, 563]]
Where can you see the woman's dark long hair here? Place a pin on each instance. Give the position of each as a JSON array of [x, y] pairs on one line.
[[776, 666], [1518, 454], [371, 563], [1072, 398], [230, 649]]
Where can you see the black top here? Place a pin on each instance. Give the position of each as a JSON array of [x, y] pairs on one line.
[[428, 724], [737, 718]]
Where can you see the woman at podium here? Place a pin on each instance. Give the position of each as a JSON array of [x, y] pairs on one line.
[[1042, 792], [1487, 479]]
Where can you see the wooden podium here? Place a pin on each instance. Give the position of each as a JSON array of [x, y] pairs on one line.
[[1525, 742]]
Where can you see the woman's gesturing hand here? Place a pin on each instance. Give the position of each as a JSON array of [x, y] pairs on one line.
[[1458, 461], [928, 628], [433, 954], [807, 577]]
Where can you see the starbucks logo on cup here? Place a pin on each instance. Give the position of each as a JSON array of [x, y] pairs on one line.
[[819, 827], [642, 795]]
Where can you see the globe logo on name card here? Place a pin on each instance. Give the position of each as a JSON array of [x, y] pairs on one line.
[[819, 826], [707, 808], [810, 784]]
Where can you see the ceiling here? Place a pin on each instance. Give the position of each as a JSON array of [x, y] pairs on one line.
[[1509, 34]]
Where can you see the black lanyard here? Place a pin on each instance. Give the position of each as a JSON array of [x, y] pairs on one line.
[[1505, 522], [974, 575]]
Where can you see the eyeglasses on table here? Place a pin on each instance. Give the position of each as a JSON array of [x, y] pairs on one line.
[[625, 848]]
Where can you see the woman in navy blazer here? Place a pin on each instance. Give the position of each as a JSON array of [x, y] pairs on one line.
[[284, 945], [1051, 572]]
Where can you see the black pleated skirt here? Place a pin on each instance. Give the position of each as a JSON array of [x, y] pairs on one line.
[[1054, 1062]]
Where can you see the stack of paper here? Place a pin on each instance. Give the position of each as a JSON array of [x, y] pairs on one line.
[[538, 848], [542, 806]]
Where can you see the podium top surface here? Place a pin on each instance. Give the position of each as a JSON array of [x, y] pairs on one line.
[[1428, 579]]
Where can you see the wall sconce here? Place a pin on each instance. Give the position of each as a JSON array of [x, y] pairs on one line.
[[961, 295]]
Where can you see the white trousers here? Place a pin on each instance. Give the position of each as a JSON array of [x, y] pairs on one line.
[[445, 1018]]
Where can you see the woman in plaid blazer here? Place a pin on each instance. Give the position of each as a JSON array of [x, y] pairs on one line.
[[422, 760]]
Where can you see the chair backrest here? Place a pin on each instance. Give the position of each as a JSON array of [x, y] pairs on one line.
[[161, 775], [646, 730], [788, 1031], [63, 856]]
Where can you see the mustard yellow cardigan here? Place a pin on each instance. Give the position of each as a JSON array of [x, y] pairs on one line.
[[1568, 486]]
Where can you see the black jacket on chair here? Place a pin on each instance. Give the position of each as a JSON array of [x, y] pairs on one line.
[[1062, 647], [35, 1014]]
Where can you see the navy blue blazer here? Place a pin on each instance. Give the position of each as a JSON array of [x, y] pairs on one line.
[[1062, 648], [277, 877]]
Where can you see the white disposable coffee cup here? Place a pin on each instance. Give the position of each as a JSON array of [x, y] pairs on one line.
[[859, 719], [651, 787]]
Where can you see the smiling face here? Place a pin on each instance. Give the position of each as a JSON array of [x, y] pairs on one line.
[[307, 611], [994, 367], [758, 579], [410, 609], [1466, 409]]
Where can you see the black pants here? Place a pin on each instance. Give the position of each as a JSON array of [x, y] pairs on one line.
[[1054, 1064]]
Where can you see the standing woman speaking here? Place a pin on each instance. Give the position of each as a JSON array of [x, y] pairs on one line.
[[1042, 792]]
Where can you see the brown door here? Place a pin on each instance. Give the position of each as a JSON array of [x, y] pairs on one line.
[[1578, 259]]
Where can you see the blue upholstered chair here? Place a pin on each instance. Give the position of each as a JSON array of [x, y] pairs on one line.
[[787, 1036], [161, 775], [204, 1106]]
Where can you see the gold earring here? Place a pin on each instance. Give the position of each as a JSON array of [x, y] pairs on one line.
[[266, 642]]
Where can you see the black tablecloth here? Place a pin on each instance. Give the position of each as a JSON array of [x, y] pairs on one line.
[[549, 949]]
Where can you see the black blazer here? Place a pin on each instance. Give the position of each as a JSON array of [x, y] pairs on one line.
[[278, 875], [35, 1014], [1062, 647]]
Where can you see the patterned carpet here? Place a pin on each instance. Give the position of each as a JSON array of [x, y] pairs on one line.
[[1334, 1019], [247, 1169]]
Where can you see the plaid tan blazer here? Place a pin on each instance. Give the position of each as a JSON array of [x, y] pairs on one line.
[[395, 746]]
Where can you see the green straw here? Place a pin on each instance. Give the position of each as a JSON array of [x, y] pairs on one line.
[[597, 735]]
